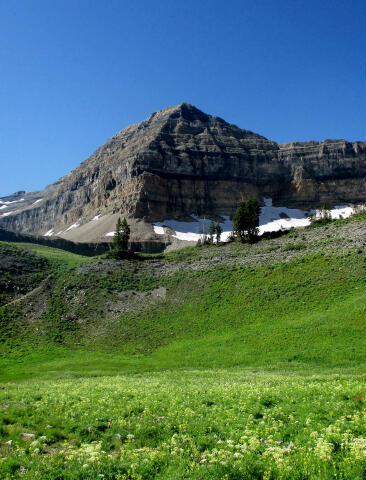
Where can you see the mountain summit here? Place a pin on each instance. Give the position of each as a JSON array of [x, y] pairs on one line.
[[181, 161]]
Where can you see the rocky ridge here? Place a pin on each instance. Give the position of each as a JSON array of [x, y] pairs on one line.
[[181, 161]]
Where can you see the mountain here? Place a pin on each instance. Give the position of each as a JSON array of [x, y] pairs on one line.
[[179, 162]]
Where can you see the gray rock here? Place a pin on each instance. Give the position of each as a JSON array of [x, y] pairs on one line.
[[182, 161]]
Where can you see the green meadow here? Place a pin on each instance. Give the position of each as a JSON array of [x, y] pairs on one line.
[[183, 366]]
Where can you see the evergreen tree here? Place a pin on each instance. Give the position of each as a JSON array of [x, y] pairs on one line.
[[117, 238], [121, 236], [239, 222], [125, 234], [212, 230], [252, 210], [246, 220], [218, 232]]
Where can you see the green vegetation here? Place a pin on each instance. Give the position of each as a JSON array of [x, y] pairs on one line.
[[218, 230], [20, 271], [120, 241], [294, 246], [323, 216], [121, 235], [55, 256], [359, 215], [246, 220], [185, 425], [178, 367]]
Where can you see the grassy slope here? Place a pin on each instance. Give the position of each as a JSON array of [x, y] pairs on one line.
[[303, 314], [54, 255]]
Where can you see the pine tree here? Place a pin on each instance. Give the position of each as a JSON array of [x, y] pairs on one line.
[[125, 234], [212, 231], [117, 238], [252, 211], [121, 236], [239, 222], [246, 220], [218, 229]]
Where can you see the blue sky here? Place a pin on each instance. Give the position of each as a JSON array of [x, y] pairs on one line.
[[73, 73]]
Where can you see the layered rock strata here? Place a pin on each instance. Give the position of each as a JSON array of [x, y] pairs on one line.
[[181, 161]]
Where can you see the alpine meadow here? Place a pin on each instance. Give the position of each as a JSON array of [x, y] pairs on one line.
[[220, 361]]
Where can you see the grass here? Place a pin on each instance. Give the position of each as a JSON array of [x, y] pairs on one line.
[[305, 312], [55, 256], [241, 372], [195, 425], [294, 246]]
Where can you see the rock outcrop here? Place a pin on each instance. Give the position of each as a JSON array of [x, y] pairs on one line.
[[181, 161]]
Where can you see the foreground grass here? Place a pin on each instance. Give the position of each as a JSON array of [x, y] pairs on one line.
[[192, 425]]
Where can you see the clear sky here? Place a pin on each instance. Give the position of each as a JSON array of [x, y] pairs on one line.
[[74, 72]]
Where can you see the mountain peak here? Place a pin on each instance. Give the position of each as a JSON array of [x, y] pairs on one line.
[[181, 162], [183, 110]]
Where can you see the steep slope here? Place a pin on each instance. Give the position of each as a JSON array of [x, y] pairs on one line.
[[179, 162]]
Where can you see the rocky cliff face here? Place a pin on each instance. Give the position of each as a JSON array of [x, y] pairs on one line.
[[181, 161]]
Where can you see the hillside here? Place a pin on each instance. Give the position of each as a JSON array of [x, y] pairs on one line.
[[225, 361], [211, 298]]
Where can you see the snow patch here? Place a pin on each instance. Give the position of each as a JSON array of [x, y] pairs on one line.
[[49, 233], [271, 219], [37, 201], [159, 230], [74, 225], [192, 231], [13, 201], [97, 217], [109, 234], [341, 211], [3, 206], [9, 213]]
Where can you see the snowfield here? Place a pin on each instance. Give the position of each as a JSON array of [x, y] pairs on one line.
[[13, 201], [9, 213], [271, 219], [159, 230], [74, 225]]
